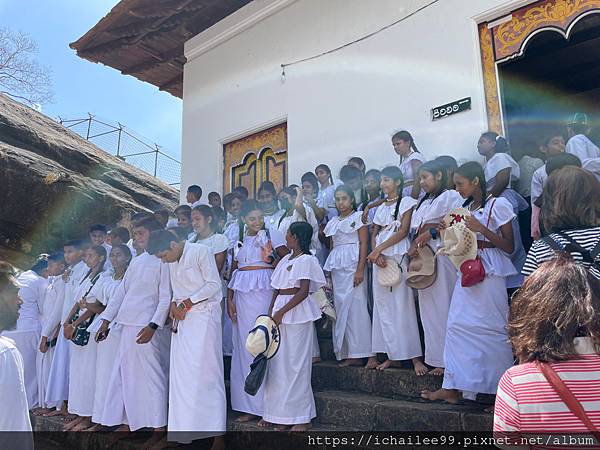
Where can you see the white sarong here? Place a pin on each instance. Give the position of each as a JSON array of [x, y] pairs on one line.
[[57, 389], [434, 304], [288, 397], [352, 329], [197, 401], [477, 348], [105, 362], [82, 378], [27, 342], [43, 365], [137, 390]]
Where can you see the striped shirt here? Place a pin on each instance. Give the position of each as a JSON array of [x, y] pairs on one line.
[[540, 252], [527, 404]]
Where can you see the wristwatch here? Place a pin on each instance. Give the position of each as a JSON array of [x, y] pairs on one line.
[[153, 326], [434, 233]]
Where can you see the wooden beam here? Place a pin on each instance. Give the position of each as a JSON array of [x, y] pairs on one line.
[[167, 57]]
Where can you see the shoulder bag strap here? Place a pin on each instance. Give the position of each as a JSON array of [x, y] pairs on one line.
[[554, 245], [587, 255], [490, 213], [567, 396]]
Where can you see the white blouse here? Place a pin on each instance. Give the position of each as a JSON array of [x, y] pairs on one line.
[[346, 243], [433, 210], [272, 220], [498, 162], [326, 199], [495, 261], [284, 224], [406, 166], [287, 275], [384, 217], [216, 242]]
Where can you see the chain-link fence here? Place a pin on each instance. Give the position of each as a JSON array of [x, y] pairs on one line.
[[124, 143]]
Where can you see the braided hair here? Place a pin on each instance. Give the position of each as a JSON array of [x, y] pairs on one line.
[[346, 189], [434, 167], [395, 174], [303, 232]]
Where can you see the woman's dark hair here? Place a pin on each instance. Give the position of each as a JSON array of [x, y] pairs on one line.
[[183, 209], [345, 188], [395, 174], [303, 232], [373, 173], [563, 160], [101, 252], [358, 160], [125, 249], [206, 212], [311, 178], [267, 186], [570, 200], [241, 190], [501, 143], [348, 173], [228, 199], [247, 207], [557, 303], [406, 137], [122, 233], [326, 168], [289, 190], [449, 162], [470, 171], [434, 167]]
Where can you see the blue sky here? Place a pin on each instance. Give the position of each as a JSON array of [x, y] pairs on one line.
[[81, 86]]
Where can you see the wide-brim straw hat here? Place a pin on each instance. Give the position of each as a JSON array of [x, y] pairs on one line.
[[263, 338], [460, 244], [457, 215], [422, 270]]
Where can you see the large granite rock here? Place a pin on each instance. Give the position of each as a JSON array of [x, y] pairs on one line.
[[54, 184]]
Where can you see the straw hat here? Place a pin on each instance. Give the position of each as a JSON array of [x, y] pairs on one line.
[[263, 338], [457, 215], [422, 270], [460, 244]]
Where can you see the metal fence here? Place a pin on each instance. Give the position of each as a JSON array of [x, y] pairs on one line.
[[124, 143]]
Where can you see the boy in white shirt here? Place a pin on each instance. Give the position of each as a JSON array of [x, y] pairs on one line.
[[579, 143]]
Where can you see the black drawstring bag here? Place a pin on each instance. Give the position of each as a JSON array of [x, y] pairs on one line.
[[255, 378]]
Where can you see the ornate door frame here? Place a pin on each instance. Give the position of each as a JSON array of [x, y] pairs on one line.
[[506, 38], [256, 157]]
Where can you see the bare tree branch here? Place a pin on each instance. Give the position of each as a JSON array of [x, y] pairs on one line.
[[21, 76]]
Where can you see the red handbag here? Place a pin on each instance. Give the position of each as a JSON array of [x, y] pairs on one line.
[[472, 270]]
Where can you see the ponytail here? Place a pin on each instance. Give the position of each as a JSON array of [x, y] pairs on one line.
[[303, 232], [407, 137], [501, 142], [395, 173]]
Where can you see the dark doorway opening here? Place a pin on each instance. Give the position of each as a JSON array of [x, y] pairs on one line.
[[553, 79]]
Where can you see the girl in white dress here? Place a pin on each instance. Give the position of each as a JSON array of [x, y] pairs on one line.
[[205, 226], [346, 263], [502, 172], [477, 347], [107, 338], [295, 210], [434, 301], [267, 199], [82, 366], [395, 327], [410, 161], [288, 393], [249, 296]]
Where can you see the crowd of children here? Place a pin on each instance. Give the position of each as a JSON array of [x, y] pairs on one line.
[[128, 329]]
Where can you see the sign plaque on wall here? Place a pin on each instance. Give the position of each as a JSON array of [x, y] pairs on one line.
[[439, 112]]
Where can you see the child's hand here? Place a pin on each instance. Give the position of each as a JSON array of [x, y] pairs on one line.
[[358, 278]]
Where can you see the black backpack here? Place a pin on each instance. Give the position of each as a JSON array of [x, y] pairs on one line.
[[588, 256]]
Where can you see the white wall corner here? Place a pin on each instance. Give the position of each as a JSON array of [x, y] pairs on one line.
[[232, 25]]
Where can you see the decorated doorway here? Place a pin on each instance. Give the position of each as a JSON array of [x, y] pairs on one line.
[[256, 158], [541, 63]]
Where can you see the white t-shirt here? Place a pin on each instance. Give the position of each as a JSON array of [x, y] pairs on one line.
[[498, 162], [406, 165], [580, 146], [384, 217], [14, 414]]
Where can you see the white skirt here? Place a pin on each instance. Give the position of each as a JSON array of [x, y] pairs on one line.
[[197, 401], [395, 326], [105, 361], [137, 392], [227, 331], [352, 329], [434, 304], [477, 348], [43, 365], [249, 306], [82, 378], [288, 394], [57, 389], [27, 342]]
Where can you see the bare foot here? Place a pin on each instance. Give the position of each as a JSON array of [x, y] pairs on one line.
[[448, 395], [438, 372], [54, 412], [420, 368], [246, 418], [384, 365], [372, 363], [71, 424], [301, 427], [264, 424], [280, 427], [351, 362], [83, 424]]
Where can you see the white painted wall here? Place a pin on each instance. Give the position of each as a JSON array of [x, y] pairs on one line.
[[340, 105]]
